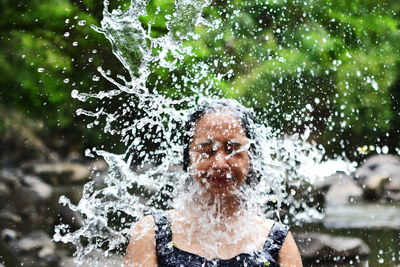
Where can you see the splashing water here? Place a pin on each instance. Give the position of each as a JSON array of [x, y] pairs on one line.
[[142, 180]]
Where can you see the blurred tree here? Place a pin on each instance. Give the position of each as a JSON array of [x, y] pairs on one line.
[[48, 50], [330, 65]]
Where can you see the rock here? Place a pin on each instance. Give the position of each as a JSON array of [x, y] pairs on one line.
[[60, 173], [392, 197], [325, 183], [42, 189], [362, 216], [34, 249], [35, 240], [378, 175], [8, 216], [8, 235], [24, 204], [99, 165], [342, 190], [10, 177], [48, 255], [14, 180], [4, 190], [322, 248]]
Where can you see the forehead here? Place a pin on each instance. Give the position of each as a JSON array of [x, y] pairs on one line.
[[219, 125]]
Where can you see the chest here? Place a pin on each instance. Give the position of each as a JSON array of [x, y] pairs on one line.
[[212, 243]]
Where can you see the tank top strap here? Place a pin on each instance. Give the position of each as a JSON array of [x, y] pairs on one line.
[[275, 239], [163, 232]]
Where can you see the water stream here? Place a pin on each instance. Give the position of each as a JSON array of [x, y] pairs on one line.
[[149, 120]]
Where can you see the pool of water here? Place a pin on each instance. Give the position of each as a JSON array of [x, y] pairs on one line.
[[384, 244]]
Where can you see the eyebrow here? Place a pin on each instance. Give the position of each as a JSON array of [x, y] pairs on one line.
[[234, 142], [207, 143]]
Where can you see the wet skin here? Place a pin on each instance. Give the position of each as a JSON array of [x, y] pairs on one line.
[[219, 162], [219, 158]]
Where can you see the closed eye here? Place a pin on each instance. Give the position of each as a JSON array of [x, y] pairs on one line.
[[207, 148], [233, 146]]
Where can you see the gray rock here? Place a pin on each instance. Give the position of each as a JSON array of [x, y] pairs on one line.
[[62, 172], [342, 190], [34, 249], [99, 166], [10, 178], [392, 197], [8, 235], [362, 216], [9, 216], [4, 190], [33, 241], [324, 248], [325, 183], [42, 189], [378, 175]]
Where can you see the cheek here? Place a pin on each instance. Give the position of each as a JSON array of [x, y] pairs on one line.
[[197, 162], [241, 165]]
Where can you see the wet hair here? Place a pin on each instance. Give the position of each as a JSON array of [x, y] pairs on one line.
[[246, 117]]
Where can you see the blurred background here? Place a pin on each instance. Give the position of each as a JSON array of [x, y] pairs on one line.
[[336, 60]]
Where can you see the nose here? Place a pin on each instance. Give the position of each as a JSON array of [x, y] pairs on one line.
[[220, 162]]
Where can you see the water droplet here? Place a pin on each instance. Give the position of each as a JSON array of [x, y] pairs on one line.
[[95, 78], [66, 34], [40, 69], [74, 93], [82, 22], [75, 44], [66, 80], [375, 85], [88, 153], [385, 149]]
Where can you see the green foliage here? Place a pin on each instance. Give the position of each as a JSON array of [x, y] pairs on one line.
[[340, 57], [49, 49]]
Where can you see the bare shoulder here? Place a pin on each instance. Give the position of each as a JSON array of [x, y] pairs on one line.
[[289, 255], [141, 250]]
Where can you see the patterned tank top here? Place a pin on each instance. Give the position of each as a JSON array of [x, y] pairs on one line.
[[169, 255]]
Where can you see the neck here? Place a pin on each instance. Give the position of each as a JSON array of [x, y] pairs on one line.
[[221, 206]]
